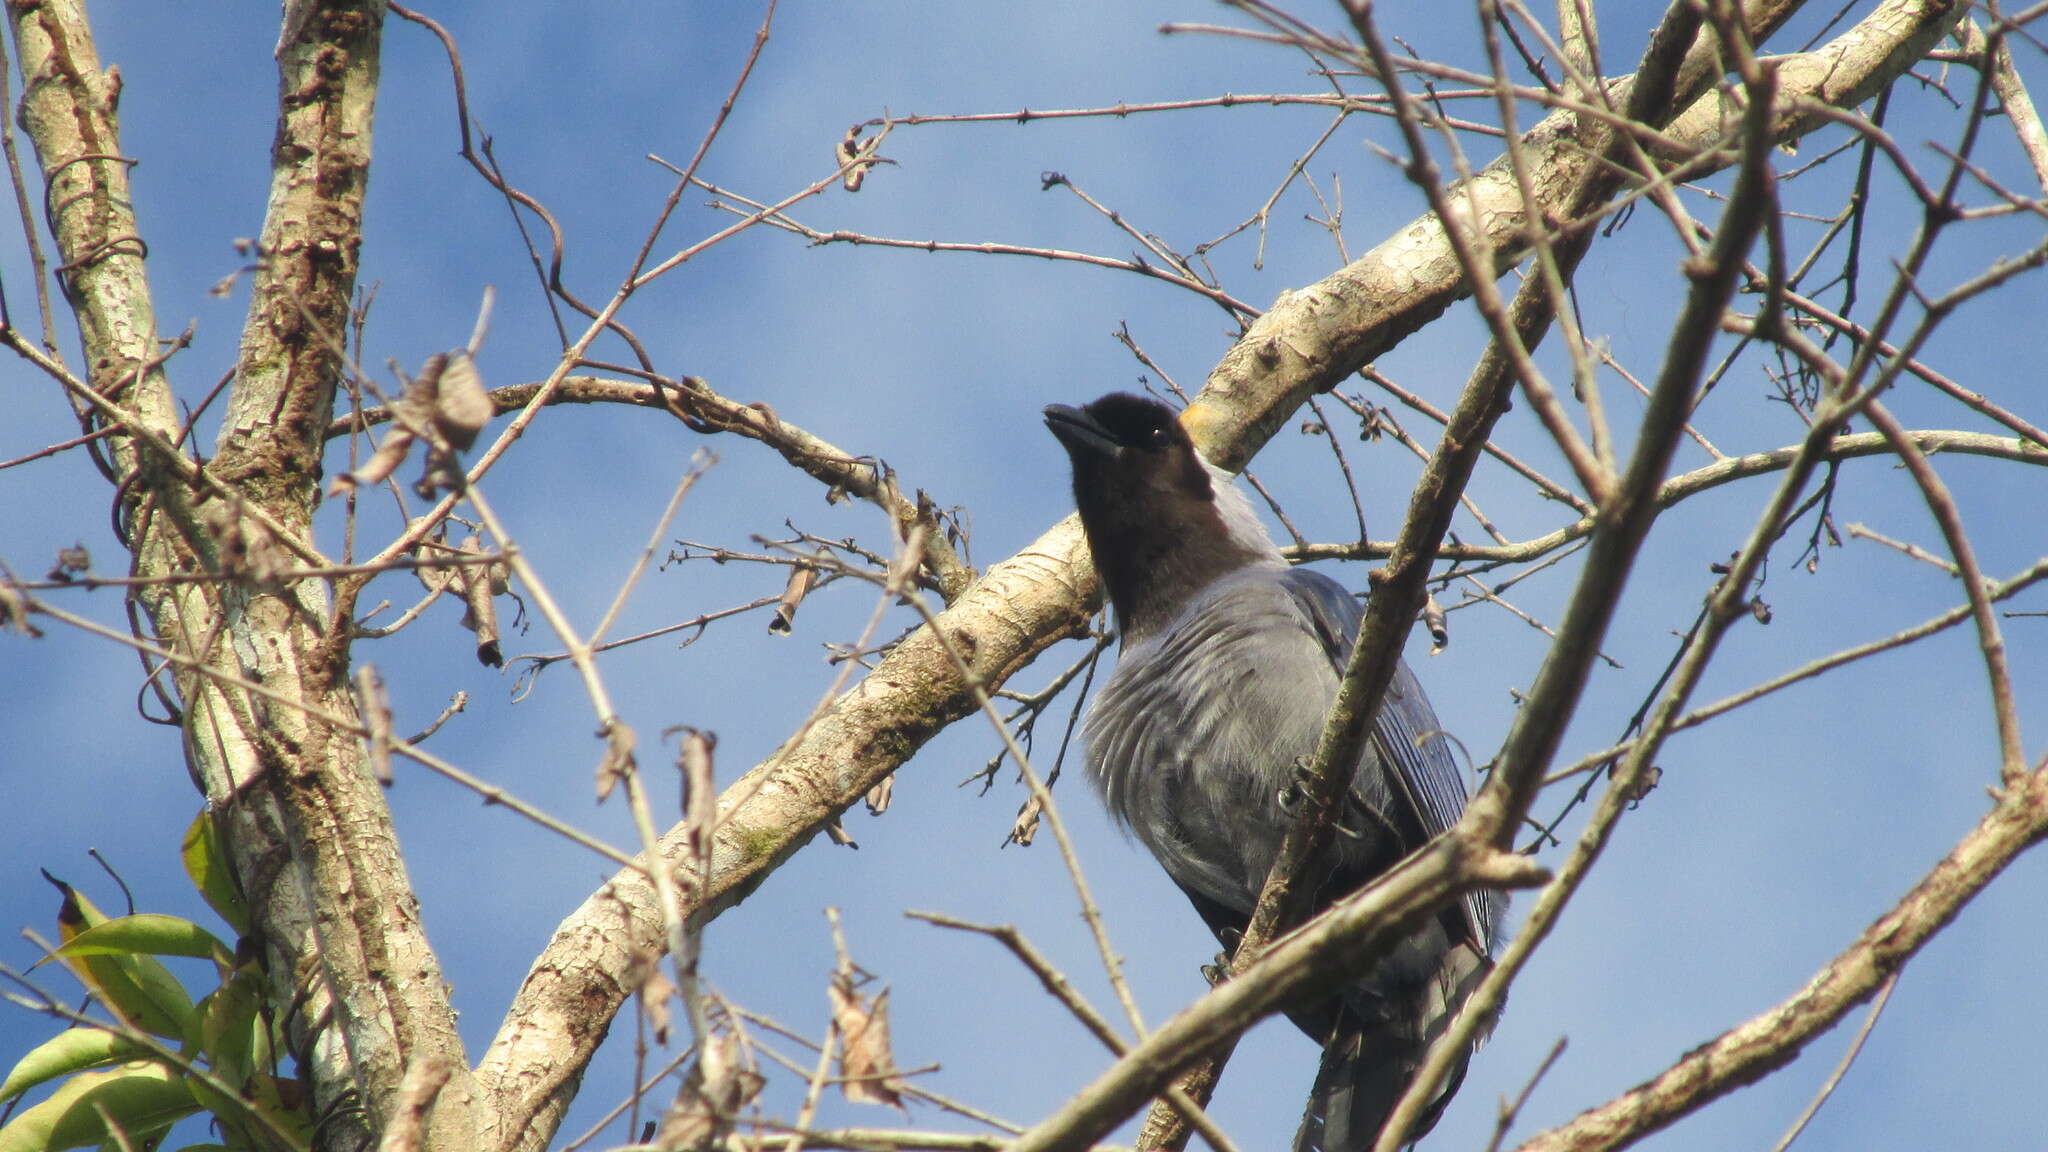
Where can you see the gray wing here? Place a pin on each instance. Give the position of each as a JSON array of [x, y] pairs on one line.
[[1196, 734], [1408, 739]]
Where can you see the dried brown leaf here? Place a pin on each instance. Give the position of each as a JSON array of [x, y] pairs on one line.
[[1026, 826], [801, 579], [1439, 627], [837, 833], [14, 608], [375, 707], [461, 404], [71, 562], [867, 1066], [481, 614], [656, 991], [390, 453], [700, 788], [447, 404], [618, 758], [718, 1086], [879, 796]]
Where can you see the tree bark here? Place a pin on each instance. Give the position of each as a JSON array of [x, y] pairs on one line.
[[308, 830]]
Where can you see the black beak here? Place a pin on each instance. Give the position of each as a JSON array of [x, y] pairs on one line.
[[1078, 431]]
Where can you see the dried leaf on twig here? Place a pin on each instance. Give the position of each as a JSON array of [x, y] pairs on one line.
[[391, 452], [700, 790], [447, 405], [462, 406], [867, 1066], [1439, 628], [837, 833], [618, 758], [479, 583], [14, 609], [71, 562], [1026, 825], [375, 707], [802, 577], [656, 991], [718, 1086], [880, 795]]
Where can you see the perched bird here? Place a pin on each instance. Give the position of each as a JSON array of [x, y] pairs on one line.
[[1229, 662]]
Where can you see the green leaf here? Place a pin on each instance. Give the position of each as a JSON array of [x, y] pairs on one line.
[[231, 1027], [207, 864], [72, 1050], [141, 1098], [136, 988], [260, 1120], [148, 933]]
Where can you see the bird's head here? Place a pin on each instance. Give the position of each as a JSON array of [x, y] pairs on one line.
[[1162, 522]]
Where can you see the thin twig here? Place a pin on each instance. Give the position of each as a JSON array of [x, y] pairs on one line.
[[2012, 752], [1834, 1080]]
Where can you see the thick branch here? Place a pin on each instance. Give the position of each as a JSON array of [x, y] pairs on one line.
[[307, 828], [388, 995], [1012, 613], [1744, 1054]]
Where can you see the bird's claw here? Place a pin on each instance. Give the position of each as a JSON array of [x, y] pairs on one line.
[[1303, 771], [1218, 970], [1289, 796]]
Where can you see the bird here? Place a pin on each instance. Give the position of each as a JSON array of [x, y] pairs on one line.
[[1229, 659]]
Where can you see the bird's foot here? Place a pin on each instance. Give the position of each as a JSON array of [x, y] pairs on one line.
[[1295, 790], [1217, 970]]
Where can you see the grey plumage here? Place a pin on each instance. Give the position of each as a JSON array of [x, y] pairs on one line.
[[1229, 662]]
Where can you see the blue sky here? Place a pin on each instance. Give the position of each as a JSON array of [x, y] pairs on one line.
[[1775, 836]]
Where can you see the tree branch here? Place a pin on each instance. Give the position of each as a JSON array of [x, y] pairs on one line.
[[2017, 821], [308, 829], [1317, 957], [694, 403]]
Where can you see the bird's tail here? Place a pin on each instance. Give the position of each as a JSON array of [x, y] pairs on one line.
[[1355, 1089], [1372, 1056]]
